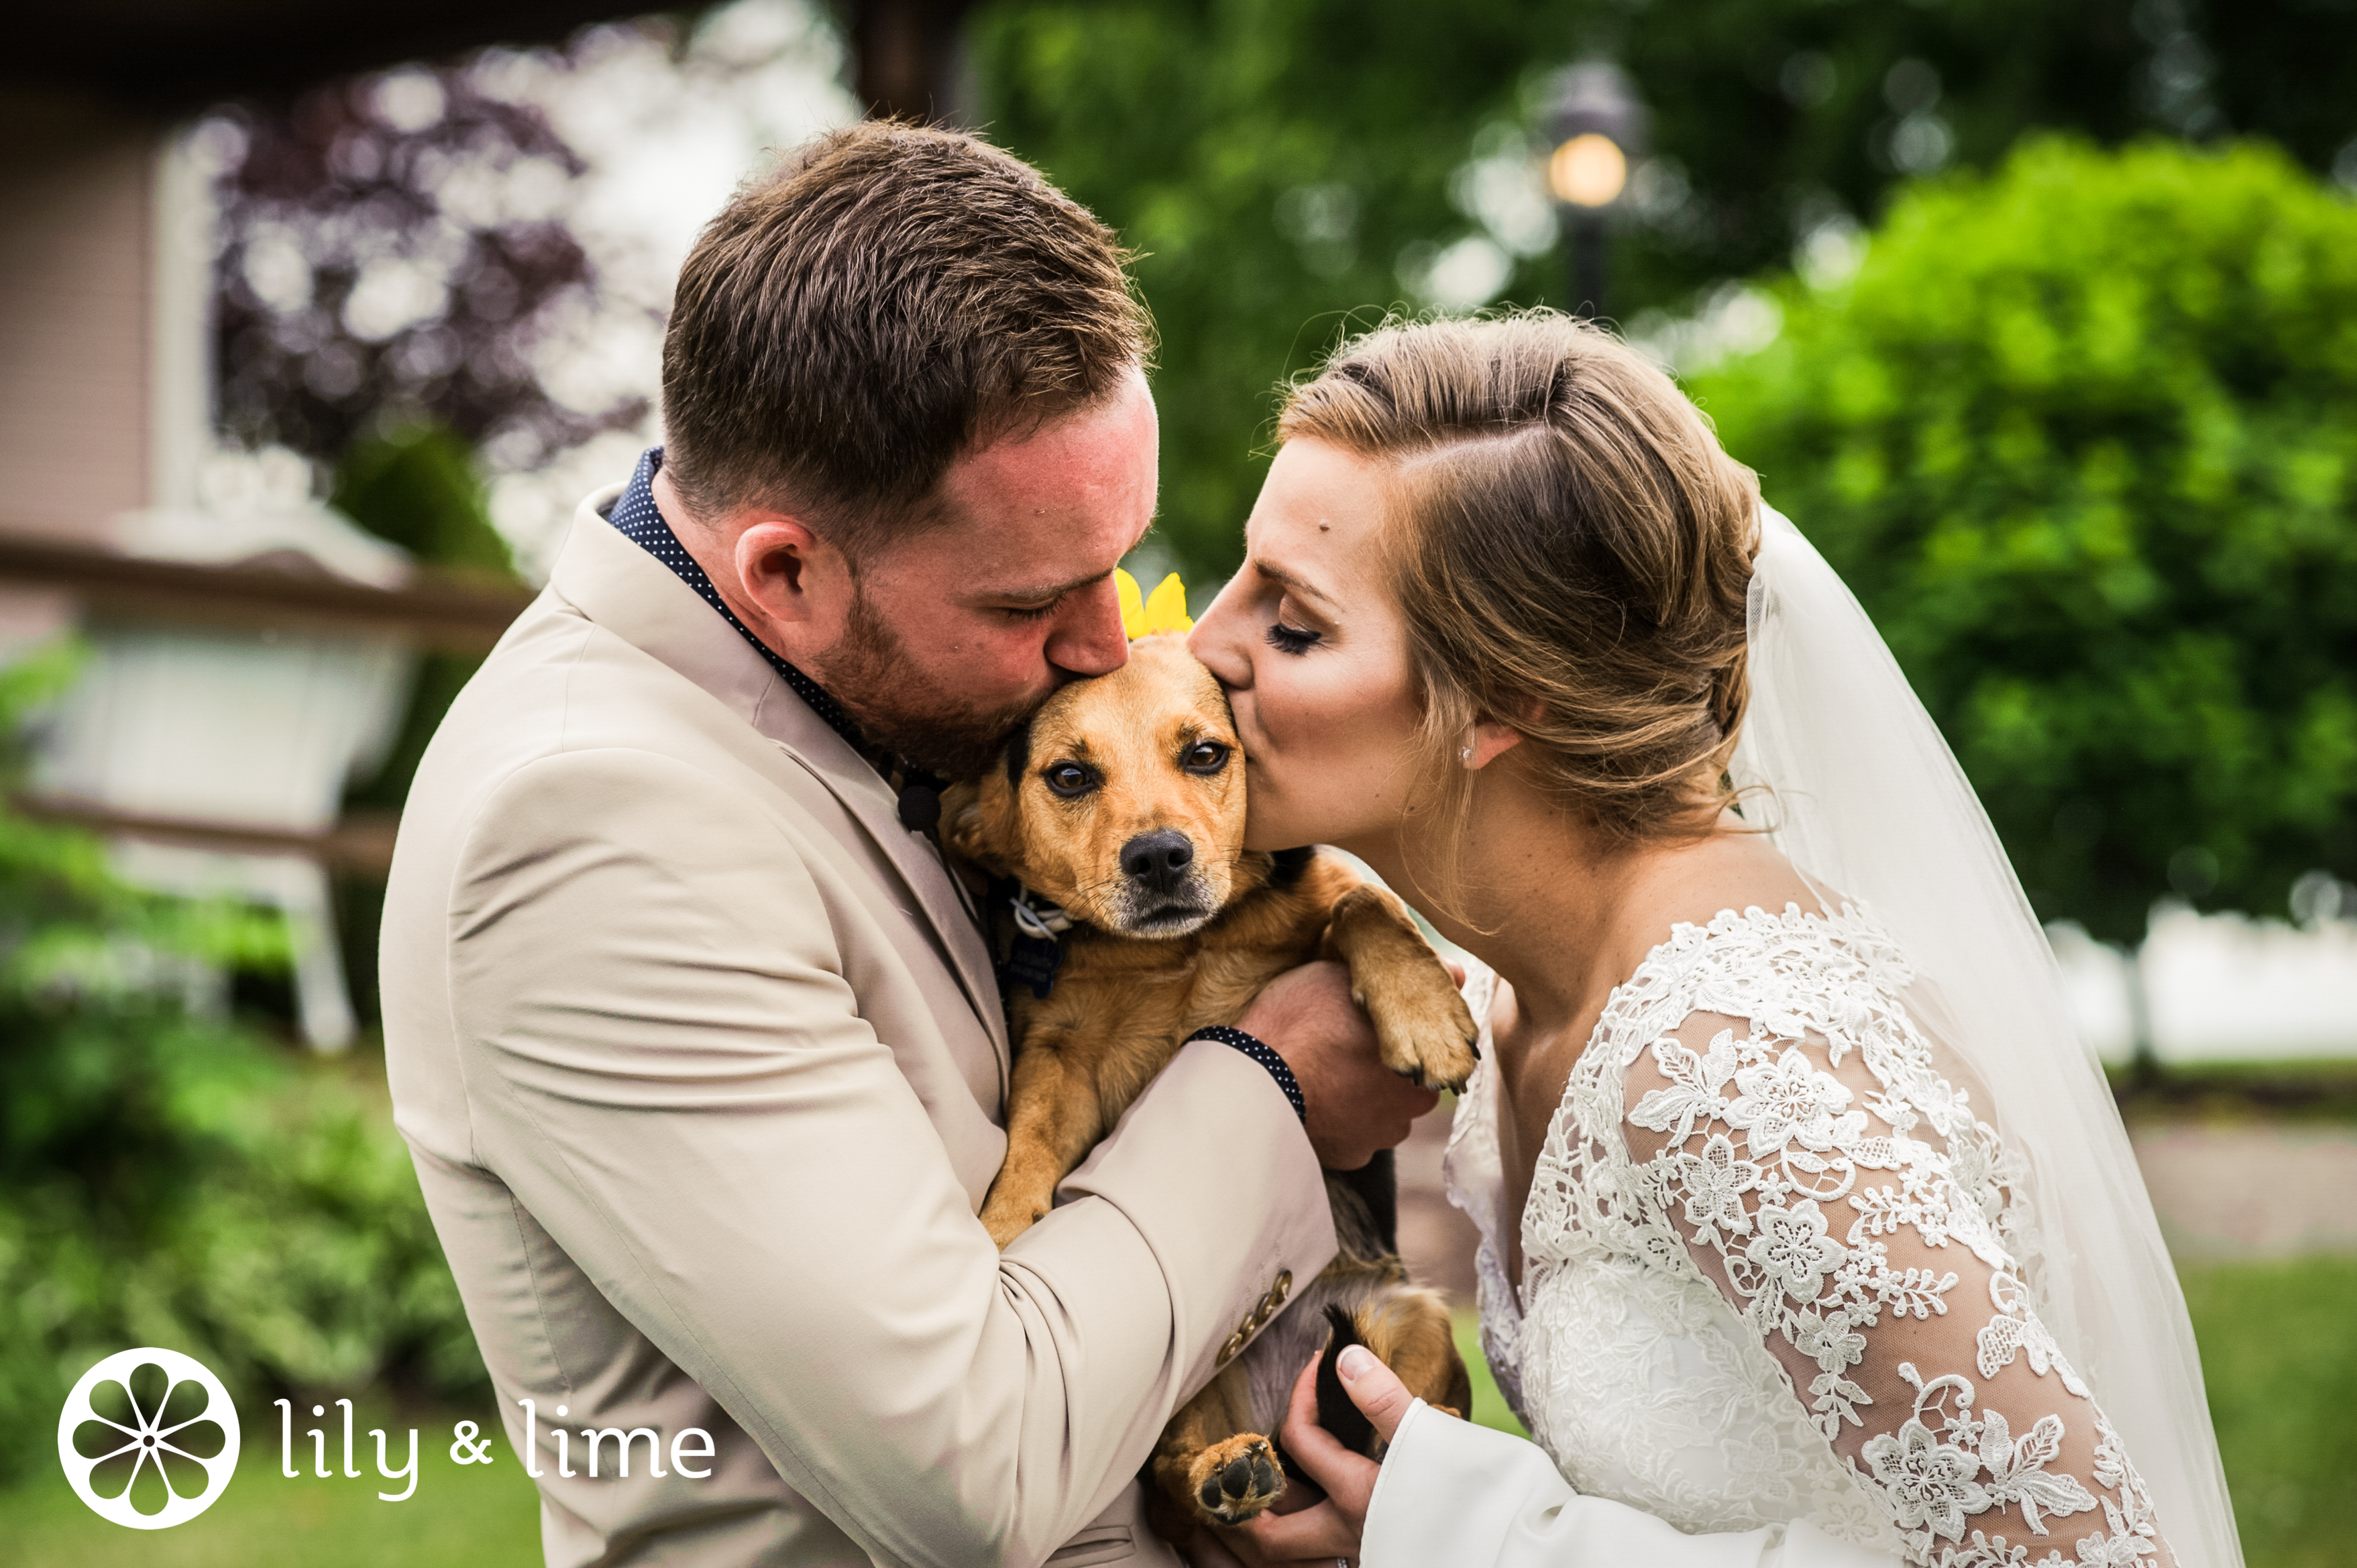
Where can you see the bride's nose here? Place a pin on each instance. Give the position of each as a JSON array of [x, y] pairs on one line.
[[1218, 642]]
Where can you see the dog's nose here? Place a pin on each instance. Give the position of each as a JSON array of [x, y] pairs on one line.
[[1157, 860]]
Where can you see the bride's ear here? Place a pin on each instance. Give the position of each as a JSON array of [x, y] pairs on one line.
[[1485, 742]]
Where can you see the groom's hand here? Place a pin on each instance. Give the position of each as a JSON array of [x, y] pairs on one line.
[[1356, 1105]]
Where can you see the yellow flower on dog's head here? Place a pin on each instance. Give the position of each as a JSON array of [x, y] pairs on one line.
[[1143, 617]]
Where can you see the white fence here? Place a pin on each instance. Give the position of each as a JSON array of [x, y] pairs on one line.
[[2218, 988]]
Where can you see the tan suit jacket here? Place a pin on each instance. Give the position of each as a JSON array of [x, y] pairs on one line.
[[703, 1068]]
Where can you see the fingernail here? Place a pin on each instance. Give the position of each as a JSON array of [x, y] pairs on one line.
[[1356, 1362]]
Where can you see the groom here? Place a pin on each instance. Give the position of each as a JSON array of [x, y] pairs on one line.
[[694, 1041]]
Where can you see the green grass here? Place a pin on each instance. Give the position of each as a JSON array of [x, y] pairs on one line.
[[2279, 1356], [2278, 1349]]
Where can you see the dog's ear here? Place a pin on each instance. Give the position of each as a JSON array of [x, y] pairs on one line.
[[977, 823], [978, 819]]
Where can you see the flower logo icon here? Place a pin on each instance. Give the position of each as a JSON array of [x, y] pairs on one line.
[[148, 1438]]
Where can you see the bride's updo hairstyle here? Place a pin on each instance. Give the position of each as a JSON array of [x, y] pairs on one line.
[[1570, 548]]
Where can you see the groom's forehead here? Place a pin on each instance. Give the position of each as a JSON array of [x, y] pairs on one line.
[[1033, 559], [1101, 458]]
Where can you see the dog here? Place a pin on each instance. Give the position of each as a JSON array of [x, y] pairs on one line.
[[1130, 915]]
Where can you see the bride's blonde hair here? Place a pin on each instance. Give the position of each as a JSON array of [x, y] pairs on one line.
[[1570, 547]]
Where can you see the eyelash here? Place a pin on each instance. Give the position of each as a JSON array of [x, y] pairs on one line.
[[1031, 612], [1291, 639]]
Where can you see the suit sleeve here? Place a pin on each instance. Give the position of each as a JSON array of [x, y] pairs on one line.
[[665, 1063]]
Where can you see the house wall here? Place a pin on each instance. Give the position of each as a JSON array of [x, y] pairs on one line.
[[77, 303]]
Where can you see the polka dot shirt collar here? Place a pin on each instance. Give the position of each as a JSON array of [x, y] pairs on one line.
[[635, 515]]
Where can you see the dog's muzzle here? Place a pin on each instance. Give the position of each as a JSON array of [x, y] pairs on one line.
[[1163, 890]]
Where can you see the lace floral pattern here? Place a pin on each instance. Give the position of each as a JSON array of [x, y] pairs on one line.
[[1651, 1381]]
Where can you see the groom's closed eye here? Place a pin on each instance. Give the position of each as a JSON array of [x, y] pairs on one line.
[[1037, 604], [1034, 601], [1041, 611]]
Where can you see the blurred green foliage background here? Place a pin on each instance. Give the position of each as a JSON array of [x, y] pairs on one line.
[[2082, 435], [1277, 160]]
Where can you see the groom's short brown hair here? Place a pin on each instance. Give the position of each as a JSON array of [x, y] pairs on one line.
[[887, 299]]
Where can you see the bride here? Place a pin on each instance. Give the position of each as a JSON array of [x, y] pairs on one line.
[[1811, 1236]]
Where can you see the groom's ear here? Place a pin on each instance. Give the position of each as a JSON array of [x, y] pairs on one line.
[[782, 566]]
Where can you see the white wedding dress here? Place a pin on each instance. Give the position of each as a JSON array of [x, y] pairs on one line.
[[1835, 1239], [1796, 1123]]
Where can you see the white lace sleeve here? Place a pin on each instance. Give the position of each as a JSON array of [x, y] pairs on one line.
[[1454, 1493], [1849, 1204]]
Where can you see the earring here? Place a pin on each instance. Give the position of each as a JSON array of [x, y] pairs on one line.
[[1464, 756]]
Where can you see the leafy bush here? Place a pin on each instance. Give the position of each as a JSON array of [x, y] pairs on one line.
[[170, 1178], [2082, 437]]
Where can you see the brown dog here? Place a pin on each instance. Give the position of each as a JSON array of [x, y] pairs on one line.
[[1121, 809]]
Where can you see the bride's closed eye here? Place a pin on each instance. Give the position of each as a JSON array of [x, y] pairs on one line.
[[1291, 638]]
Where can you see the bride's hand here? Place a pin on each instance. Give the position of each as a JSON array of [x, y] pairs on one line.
[[1329, 1529]]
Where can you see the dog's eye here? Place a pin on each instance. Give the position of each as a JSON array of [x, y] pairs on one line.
[[1070, 778], [1204, 756]]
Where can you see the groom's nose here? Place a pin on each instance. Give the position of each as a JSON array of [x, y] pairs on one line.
[[1088, 639]]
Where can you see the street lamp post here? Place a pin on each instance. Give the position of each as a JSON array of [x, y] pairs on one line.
[[1595, 127]]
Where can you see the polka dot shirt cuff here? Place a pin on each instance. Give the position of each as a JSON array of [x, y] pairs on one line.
[[1261, 1053]]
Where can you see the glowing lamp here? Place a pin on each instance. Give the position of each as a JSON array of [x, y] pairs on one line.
[[1589, 171]]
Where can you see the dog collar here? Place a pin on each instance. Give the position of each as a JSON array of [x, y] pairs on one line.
[[1035, 916], [1037, 953]]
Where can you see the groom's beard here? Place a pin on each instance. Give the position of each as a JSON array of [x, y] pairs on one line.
[[899, 709]]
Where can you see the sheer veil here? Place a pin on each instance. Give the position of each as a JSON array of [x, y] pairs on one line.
[[1865, 799]]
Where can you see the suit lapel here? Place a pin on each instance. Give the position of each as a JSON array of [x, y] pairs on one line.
[[630, 593], [802, 735]]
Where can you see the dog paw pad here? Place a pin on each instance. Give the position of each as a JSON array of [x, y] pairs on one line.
[[1236, 1479]]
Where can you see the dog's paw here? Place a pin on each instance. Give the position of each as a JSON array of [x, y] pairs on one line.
[[1232, 1482], [1425, 1031], [1006, 1221]]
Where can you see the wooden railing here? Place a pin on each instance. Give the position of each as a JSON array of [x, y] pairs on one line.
[[461, 615], [362, 842]]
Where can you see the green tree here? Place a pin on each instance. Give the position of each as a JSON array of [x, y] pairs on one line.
[[1279, 160], [2082, 437], [419, 487], [1271, 161], [1780, 115]]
